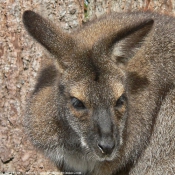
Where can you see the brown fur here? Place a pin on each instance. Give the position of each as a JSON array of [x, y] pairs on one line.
[[104, 103]]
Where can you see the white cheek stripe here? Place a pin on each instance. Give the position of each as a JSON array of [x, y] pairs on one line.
[[83, 142]]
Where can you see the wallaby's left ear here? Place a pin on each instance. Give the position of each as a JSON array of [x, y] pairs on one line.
[[54, 40], [126, 42]]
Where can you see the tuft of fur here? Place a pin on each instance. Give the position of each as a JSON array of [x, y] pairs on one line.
[[104, 102]]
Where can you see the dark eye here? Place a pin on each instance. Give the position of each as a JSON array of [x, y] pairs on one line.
[[121, 101], [77, 104]]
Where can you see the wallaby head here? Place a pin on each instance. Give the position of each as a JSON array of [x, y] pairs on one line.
[[89, 109]]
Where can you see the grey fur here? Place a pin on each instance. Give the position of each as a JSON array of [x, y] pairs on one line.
[[104, 103]]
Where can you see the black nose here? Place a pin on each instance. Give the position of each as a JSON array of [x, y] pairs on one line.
[[106, 146]]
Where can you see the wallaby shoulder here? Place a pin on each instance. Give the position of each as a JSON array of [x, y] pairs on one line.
[[159, 156]]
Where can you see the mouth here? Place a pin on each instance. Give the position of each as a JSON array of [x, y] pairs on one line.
[[95, 152], [104, 158], [102, 155], [102, 149]]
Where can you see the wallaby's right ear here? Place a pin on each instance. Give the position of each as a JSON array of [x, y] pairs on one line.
[[126, 42], [55, 41]]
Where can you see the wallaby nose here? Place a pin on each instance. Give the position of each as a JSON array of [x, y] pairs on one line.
[[106, 147]]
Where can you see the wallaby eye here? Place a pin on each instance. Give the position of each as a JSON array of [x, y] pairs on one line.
[[77, 104], [121, 101]]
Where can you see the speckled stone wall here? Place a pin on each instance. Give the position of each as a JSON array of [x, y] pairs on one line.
[[20, 59]]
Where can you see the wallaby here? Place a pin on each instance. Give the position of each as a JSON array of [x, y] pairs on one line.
[[105, 102]]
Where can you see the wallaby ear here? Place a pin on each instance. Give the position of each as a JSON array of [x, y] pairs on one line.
[[55, 41], [133, 38], [125, 43]]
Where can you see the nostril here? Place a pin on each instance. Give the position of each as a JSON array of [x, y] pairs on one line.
[[106, 147], [101, 148]]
